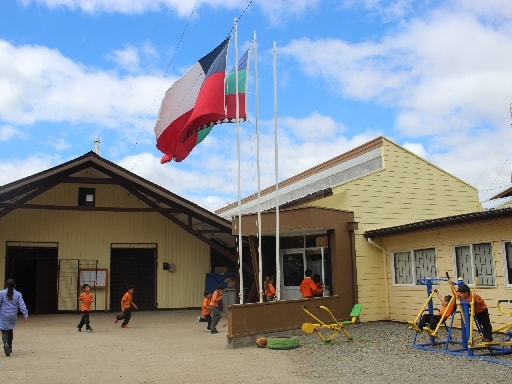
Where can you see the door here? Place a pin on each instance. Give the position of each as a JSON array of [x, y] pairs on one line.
[[137, 267], [292, 264]]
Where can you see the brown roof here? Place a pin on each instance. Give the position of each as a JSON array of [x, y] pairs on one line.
[[441, 221]]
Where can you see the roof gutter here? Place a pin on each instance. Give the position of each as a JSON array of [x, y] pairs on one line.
[[386, 291]]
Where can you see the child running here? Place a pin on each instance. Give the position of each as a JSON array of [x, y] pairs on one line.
[[85, 298], [11, 301], [126, 308]]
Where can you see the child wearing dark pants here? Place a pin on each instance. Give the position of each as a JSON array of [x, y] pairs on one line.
[[126, 308], [433, 320], [206, 311], [85, 298], [480, 311]]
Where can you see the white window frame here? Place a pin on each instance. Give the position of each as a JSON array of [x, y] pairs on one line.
[[472, 267], [414, 264], [507, 264]]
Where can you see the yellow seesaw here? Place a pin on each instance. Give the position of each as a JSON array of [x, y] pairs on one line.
[[335, 326]]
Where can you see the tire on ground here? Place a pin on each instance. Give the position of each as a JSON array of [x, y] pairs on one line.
[[282, 342]]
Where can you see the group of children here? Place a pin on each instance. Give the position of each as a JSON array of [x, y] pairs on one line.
[[481, 312], [210, 312], [86, 298], [311, 286]]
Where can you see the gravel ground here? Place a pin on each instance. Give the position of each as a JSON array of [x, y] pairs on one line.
[[381, 352]]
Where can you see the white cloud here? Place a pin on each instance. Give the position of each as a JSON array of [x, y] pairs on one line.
[[39, 84], [15, 169], [8, 132]]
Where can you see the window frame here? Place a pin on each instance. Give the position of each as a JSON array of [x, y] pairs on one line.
[[413, 265], [507, 268], [473, 267]]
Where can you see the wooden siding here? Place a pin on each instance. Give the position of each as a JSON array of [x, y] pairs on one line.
[[85, 234], [408, 189], [406, 301]]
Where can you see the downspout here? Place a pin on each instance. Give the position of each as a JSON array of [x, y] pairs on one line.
[[386, 291]]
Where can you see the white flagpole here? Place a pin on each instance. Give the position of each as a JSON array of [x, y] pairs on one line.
[[260, 262], [240, 259], [278, 263]]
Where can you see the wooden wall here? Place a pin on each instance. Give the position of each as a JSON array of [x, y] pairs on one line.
[[86, 234]]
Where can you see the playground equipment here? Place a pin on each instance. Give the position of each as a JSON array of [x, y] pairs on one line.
[[470, 343], [335, 327]]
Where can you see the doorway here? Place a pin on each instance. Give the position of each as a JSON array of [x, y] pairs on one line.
[[137, 267], [35, 271]]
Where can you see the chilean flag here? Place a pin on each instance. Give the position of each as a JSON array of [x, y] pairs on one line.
[[194, 102]]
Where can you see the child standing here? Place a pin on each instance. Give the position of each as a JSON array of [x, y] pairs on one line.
[[11, 301], [206, 311], [308, 287], [270, 290], [126, 308], [85, 298], [214, 307], [480, 308]]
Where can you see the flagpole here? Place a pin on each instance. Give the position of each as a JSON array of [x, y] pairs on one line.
[[260, 262], [240, 259], [278, 263]]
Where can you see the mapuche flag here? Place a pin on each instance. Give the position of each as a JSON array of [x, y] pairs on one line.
[[243, 67], [194, 101]]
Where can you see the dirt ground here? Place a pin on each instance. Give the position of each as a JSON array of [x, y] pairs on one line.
[[158, 347]]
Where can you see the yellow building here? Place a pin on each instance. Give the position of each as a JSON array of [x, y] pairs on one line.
[[91, 221], [383, 185], [463, 246]]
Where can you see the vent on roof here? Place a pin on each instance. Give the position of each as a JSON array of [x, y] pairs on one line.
[[97, 143]]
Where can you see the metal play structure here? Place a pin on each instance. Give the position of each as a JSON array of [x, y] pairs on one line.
[[466, 341], [334, 327]]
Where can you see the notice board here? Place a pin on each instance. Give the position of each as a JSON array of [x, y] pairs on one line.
[[94, 277]]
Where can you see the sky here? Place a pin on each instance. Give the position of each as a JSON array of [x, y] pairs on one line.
[[433, 76]]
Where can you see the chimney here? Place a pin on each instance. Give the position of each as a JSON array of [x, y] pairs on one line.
[[97, 142]]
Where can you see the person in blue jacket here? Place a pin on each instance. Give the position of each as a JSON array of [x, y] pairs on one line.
[[11, 301]]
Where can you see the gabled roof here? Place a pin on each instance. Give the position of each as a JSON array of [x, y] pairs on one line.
[[93, 169], [439, 222]]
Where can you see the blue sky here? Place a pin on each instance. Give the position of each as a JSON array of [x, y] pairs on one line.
[[433, 76]]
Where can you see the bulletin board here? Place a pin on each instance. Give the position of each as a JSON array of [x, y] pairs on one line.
[[94, 277]]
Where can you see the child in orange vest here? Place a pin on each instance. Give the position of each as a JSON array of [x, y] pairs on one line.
[[433, 320], [308, 287], [480, 308], [206, 311], [214, 307], [85, 298], [126, 308]]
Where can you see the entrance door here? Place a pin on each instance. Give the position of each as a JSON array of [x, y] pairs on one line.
[[292, 264], [135, 266]]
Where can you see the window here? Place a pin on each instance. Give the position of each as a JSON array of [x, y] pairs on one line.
[[507, 256], [410, 266], [86, 197], [475, 259]]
